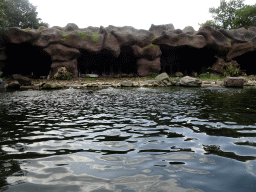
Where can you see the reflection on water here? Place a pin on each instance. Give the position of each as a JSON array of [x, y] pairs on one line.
[[143, 139]]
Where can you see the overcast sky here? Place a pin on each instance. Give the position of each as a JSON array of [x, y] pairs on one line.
[[137, 13]]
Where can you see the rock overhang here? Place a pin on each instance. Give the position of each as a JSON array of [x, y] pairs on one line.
[[65, 44]]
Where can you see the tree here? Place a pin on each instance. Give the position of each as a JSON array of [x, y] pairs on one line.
[[3, 19], [232, 15], [246, 17], [20, 13]]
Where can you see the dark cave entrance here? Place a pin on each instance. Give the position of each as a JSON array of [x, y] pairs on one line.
[[186, 59], [26, 60], [104, 63], [247, 62]]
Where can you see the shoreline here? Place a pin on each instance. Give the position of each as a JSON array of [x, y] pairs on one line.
[[101, 83], [161, 80]]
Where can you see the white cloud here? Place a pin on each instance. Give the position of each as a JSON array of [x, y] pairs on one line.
[[137, 13]]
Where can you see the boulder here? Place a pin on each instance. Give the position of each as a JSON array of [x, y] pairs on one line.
[[52, 86], [188, 30], [149, 52], [238, 49], [128, 36], [17, 35], [48, 36], [91, 75], [190, 82], [60, 52], [89, 39], [2, 84], [161, 77], [41, 28], [71, 27], [25, 81], [215, 39], [220, 63], [179, 74], [126, 84], [234, 81], [172, 39], [145, 66], [112, 45], [151, 81], [158, 29], [13, 85]]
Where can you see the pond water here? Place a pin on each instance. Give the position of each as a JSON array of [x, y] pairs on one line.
[[139, 139]]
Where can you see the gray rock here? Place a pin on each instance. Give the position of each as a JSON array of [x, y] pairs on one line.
[[151, 81], [234, 82], [13, 85], [92, 75], [126, 84], [162, 76], [2, 84], [190, 82], [177, 79], [52, 86], [179, 74]]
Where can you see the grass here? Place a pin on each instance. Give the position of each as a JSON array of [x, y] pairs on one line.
[[89, 79], [211, 78], [93, 36]]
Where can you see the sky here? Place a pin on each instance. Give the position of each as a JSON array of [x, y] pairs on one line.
[[139, 14]]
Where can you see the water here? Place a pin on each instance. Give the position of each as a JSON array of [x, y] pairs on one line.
[[140, 139]]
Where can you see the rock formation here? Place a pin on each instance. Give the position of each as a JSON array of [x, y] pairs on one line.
[[125, 50]]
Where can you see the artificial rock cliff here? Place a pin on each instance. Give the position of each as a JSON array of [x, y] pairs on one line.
[[125, 50]]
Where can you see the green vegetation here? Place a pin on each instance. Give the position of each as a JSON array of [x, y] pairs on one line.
[[153, 39], [81, 35], [93, 36], [229, 40], [19, 13], [47, 86], [209, 77], [66, 37], [68, 76], [89, 79], [152, 75], [62, 74], [146, 47], [230, 70], [232, 15], [205, 75]]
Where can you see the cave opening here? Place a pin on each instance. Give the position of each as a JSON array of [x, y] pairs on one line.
[[247, 62], [186, 59], [105, 64], [26, 59]]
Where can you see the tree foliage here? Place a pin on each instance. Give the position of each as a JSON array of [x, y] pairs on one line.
[[232, 15], [19, 13], [3, 19]]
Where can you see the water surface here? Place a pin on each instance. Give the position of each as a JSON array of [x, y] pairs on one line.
[[139, 139]]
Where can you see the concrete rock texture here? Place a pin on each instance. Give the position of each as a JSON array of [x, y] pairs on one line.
[[117, 50]]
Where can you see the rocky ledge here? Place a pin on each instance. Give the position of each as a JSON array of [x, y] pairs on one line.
[[162, 80], [116, 50]]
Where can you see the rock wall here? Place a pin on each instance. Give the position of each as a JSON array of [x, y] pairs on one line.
[[126, 50]]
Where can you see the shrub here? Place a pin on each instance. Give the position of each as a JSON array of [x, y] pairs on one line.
[[152, 75], [230, 70], [205, 75]]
